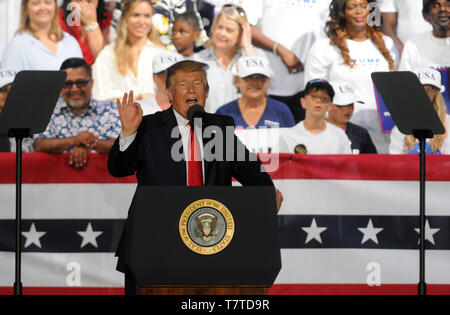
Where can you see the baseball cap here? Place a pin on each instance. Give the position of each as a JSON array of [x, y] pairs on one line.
[[7, 77], [428, 76], [318, 84], [250, 65], [344, 94], [163, 61]]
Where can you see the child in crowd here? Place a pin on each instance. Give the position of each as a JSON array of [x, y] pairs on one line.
[[166, 11], [315, 135], [185, 33], [341, 112]]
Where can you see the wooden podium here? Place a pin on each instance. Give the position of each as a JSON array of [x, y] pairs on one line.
[[204, 290], [207, 240]]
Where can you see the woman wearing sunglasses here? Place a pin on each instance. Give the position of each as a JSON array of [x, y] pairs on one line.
[[39, 44], [230, 40]]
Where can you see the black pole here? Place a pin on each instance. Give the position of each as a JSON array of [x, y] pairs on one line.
[[422, 284], [18, 283]]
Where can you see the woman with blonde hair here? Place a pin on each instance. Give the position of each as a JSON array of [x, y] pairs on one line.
[[407, 144], [126, 63], [39, 43], [231, 39], [353, 50]]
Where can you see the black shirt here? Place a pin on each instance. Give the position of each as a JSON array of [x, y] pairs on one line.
[[4, 143], [360, 139]]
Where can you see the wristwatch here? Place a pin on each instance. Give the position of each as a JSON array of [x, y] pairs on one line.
[[91, 27]]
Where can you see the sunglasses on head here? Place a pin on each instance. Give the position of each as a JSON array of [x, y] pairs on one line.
[[238, 9], [79, 83]]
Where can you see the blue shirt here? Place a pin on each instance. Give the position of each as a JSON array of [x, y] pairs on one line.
[[26, 52], [428, 149], [276, 114], [99, 118]]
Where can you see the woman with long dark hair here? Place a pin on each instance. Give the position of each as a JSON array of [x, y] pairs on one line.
[[90, 28], [353, 50]]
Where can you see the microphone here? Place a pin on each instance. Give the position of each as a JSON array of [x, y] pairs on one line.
[[300, 149], [196, 111]]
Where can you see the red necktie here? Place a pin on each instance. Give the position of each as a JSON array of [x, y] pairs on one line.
[[195, 177]]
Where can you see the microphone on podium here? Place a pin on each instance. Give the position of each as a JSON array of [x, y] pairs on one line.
[[196, 111]]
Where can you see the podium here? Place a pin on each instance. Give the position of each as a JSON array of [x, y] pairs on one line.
[[202, 240]]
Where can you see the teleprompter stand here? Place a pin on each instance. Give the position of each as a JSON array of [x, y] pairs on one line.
[[413, 114], [27, 111]]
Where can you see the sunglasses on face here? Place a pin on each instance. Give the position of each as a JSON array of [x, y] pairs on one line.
[[238, 9], [79, 83]]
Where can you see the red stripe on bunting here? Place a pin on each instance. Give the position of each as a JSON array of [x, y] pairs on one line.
[[355, 289], [49, 168], [43, 168], [277, 289]]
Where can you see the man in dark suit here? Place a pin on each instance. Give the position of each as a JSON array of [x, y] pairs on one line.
[[151, 146]]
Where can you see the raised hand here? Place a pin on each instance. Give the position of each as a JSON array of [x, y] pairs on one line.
[[246, 35], [88, 12], [130, 114]]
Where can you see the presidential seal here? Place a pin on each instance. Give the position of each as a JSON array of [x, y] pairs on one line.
[[206, 226]]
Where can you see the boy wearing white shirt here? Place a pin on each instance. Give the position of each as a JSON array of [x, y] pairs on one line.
[[340, 113], [315, 135]]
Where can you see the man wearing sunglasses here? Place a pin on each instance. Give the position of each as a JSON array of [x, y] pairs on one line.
[[79, 123]]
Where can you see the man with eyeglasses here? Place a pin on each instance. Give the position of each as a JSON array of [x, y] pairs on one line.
[[315, 135], [79, 123]]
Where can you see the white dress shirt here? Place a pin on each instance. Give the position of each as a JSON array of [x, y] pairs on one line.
[[184, 129]]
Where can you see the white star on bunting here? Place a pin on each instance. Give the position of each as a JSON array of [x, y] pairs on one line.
[[429, 232], [33, 237], [89, 236], [313, 232], [370, 232]]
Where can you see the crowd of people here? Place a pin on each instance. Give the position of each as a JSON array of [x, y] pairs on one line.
[[302, 66]]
